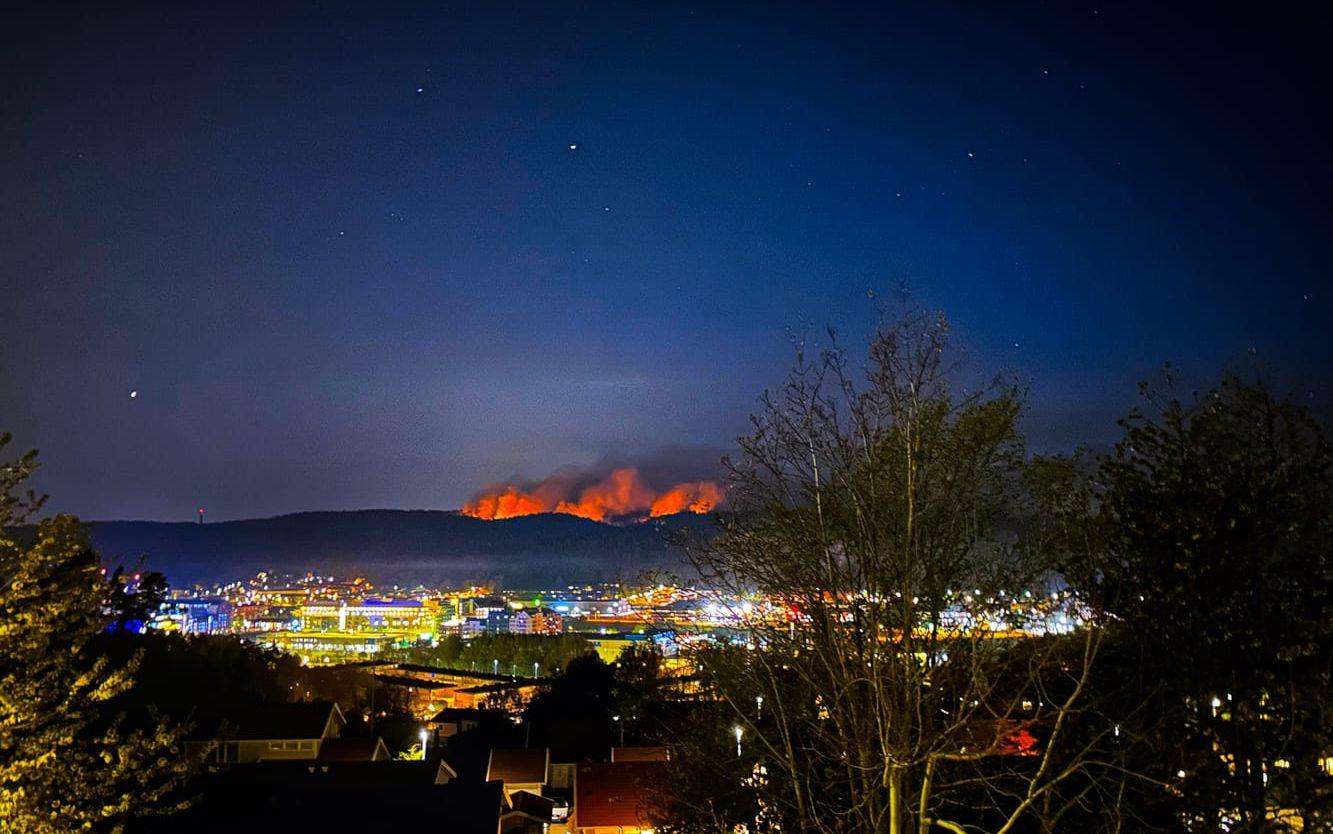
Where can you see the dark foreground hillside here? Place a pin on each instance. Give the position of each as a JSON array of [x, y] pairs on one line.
[[401, 546]]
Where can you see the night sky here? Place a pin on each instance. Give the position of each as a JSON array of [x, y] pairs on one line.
[[379, 255]]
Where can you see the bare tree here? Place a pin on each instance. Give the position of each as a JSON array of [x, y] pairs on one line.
[[890, 681]]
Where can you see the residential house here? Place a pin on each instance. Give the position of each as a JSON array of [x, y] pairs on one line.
[[529, 813], [267, 732], [451, 721], [525, 769]]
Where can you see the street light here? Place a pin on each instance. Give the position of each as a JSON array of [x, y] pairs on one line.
[[423, 744], [739, 732]]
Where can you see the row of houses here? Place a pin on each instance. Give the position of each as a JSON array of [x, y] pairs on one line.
[[274, 765]]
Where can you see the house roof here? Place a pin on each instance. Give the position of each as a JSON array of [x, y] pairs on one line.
[[487, 688], [640, 754], [451, 714], [352, 750], [517, 767], [414, 683], [614, 794], [445, 671], [532, 805], [301, 720]]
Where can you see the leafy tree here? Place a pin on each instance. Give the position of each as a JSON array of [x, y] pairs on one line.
[[185, 675], [133, 599], [639, 683], [1215, 522], [67, 761], [510, 653], [575, 712]]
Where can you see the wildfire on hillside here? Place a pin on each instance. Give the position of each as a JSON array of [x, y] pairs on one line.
[[619, 496]]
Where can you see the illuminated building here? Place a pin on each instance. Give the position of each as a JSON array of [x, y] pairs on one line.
[[536, 621], [209, 615], [319, 648], [429, 689], [283, 597], [497, 620], [408, 615], [590, 607]]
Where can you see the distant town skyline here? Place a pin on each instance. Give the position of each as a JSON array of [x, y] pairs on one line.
[[359, 256]]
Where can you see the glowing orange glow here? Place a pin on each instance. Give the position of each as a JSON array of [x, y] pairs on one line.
[[699, 497], [509, 503], [621, 495]]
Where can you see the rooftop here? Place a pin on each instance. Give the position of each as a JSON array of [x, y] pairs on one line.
[[614, 794], [517, 767], [301, 720], [352, 750]]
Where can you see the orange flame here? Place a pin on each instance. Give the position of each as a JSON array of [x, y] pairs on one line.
[[620, 495], [507, 504], [699, 497]]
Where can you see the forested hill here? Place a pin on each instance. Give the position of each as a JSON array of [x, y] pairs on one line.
[[399, 546]]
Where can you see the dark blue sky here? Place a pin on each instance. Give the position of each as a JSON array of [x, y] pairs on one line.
[[347, 257]]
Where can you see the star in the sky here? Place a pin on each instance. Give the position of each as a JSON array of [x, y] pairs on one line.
[[573, 147], [134, 395]]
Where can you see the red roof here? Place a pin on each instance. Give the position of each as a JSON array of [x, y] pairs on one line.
[[615, 793]]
